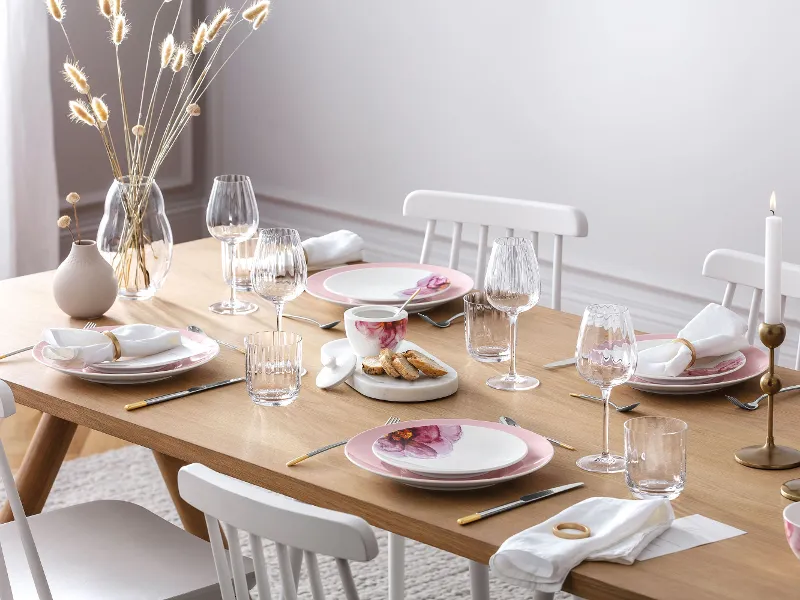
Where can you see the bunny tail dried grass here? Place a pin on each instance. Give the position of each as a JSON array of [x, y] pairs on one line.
[[167, 50], [104, 7], [259, 20], [56, 9], [75, 76], [80, 113], [116, 7], [199, 38], [252, 13], [100, 110], [222, 16], [119, 31], [180, 58]]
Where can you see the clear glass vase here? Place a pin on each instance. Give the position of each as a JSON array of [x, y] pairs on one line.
[[135, 237]]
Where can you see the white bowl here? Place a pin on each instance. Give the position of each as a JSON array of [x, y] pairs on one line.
[[372, 328]]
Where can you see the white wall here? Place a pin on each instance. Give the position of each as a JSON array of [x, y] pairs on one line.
[[668, 122]]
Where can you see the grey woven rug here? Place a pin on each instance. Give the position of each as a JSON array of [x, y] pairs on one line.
[[131, 474]]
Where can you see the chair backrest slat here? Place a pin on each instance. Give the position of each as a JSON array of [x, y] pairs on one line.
[[535, 240], [317, 593], [298, 531], [260, 568], [5, 582], [8, 408], [488, 211], [346, 576], [237, 561], [738, 268]]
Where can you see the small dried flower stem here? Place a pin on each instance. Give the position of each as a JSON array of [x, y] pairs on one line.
[[77, 223], [124, 111]]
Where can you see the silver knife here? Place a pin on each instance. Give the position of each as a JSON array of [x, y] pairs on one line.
[[560, 363], [517, 503], [512, 423], [192, 390]]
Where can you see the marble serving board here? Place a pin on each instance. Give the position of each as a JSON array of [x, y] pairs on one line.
[[383, 387]]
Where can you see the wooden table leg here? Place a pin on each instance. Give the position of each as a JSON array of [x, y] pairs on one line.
[[193, 520], [41, 463]]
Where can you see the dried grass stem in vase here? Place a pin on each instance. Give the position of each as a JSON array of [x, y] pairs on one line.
[[149, 134]]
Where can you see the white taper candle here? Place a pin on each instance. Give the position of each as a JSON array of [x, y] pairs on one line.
[[773, 260]]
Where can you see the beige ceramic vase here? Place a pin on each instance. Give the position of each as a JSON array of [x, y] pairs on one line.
[[84, 286]]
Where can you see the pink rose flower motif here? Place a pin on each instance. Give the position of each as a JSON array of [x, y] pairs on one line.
[[428, 441], [388, 333], [429, 285], [793, 537]]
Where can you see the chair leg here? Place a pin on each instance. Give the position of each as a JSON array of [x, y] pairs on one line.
[[479, 580], [544, 595], [397, 566]]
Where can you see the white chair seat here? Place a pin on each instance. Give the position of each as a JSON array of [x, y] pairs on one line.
[[111, 550]]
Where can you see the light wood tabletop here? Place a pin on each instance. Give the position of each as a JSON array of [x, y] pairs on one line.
[[224, 430]]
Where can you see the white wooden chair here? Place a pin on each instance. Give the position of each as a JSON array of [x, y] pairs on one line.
[[742, 268], [486, 211], [101, 550], [299, 531]]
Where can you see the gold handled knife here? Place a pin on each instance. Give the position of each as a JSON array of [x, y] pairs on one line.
[[182, 394], [512, 423], [560, 363], [517, 503]]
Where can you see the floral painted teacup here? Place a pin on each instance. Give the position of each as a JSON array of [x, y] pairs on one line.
[[370, 329], [791, 523]]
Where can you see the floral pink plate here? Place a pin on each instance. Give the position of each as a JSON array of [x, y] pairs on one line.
[[704, 369], [387, 284], [359, 450], [202, 350], [449, 284], [756, 364]]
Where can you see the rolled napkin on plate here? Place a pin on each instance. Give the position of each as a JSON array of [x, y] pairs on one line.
[[620, 529], [715, 331], [78, 348], [333, 249]]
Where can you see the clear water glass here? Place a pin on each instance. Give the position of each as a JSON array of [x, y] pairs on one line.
[[606, 357], [241, 261], [232, 217], [279, 268], [272, 367], [512, 286], [486, 330], [655, 456]]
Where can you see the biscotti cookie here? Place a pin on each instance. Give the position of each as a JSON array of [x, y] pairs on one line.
[[406, 370], [371, 365], [386, 356], [425, 363]]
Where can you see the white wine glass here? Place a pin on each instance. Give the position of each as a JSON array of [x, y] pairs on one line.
[[279, 268], [606, 357], [513, 286], [232, 217]]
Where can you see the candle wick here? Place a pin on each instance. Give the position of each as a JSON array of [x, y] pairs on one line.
[[772, 211]]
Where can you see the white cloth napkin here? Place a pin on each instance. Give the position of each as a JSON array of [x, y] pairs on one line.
[[538, 560], [78, 348], [333, 249], [715, 331]]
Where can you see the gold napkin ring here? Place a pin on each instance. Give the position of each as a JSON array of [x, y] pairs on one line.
[[576, 531], [115, 341], [690, 346]]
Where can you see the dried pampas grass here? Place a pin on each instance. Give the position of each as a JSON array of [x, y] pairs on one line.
[[56, 9], [199, 38], [80, 113], [167, 50], [252, 13], [222, 16], [75, 76]]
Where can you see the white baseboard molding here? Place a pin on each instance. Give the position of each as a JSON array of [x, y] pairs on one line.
[[653, 308]]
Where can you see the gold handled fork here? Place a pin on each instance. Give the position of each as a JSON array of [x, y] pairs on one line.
[[89, 325], [299, 459]]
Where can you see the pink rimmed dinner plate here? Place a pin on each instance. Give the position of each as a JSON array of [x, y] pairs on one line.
[[444, 450], [459, 284], [704, 369], [757, 362], [201, 349], [387, 284], [359, 451]]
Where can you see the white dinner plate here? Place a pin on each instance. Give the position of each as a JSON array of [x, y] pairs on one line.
[[206, 350], [387, 284], [704, 369], [446, 450]]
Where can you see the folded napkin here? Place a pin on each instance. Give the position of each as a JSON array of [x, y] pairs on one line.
[[715, 331], [333, 249], [78, 348], [538, 560]]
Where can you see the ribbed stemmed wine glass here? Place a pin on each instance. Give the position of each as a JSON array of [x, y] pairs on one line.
[[232, 217], [279, 268], [513, 286], [606, 357]]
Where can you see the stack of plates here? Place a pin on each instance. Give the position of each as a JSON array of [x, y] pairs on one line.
[[706, 375], [389, 283], [449, 454], [196, 349]]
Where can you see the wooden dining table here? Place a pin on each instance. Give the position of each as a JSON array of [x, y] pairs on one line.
[[227, 432]]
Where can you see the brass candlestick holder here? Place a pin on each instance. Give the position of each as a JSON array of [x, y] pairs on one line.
[[770, 456]]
